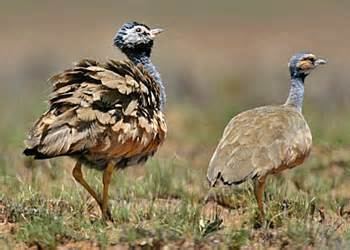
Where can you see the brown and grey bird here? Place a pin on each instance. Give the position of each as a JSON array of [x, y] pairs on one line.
[[105, 115], [266, 140]]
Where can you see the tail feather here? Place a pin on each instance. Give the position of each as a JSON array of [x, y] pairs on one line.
[[34, 152]]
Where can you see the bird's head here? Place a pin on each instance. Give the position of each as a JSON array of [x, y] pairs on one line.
[[301, 64], [134, 37]]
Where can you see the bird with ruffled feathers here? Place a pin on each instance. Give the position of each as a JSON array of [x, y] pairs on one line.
[[107, 115]]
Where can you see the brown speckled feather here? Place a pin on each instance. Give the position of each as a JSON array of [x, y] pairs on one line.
[[258, 142], [101, 112]]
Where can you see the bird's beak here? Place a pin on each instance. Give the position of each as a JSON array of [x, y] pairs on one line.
[[155, 32], [320, 61]]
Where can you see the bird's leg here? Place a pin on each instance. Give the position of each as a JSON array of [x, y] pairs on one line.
[[107, 175], [259, 187], [78, 176]]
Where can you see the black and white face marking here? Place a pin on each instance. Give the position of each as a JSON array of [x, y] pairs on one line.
[[137, 35], [134, 35]]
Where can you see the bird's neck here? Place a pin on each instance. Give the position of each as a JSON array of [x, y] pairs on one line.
[[145, 60], [296, 93]]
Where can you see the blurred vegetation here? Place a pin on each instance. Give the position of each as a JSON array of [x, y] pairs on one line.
[[217, 59]]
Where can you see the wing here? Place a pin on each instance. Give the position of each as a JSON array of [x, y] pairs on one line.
[[111, 109], [259, 141]]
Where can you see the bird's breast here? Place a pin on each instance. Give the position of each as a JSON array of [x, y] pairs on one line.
[[130, 141]]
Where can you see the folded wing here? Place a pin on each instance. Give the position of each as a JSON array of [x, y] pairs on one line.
[[260, 141]]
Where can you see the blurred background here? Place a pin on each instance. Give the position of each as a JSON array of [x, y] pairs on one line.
[[217, 58]]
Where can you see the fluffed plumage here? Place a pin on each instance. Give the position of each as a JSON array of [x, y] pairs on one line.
[[105, 115], [100, 112]]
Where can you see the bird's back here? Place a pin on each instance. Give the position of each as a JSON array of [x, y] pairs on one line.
[[100, 112], [259, 141]]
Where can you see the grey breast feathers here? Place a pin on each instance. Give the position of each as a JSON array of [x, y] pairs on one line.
[[108, 109], [260, 141]]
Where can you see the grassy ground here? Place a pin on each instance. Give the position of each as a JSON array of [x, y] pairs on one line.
[[164, 204], [216, 59]]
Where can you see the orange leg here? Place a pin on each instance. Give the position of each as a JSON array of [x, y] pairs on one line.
[[259, 187], [107, 176], [78, 176]]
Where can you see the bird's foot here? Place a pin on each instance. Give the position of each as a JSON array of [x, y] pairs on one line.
[[107, 216]]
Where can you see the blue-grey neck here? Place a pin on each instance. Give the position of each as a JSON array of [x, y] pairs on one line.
[[296, 93], [145, 60]]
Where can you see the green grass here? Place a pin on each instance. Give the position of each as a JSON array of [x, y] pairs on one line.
[[162, 204], [156, 210]]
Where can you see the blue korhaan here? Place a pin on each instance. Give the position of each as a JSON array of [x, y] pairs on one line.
[[105, 115]]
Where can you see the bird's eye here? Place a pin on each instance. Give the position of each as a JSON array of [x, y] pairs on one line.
[[138, 30], [311, 59]]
